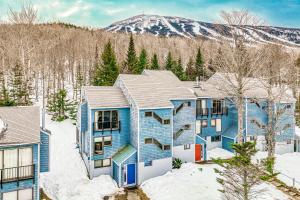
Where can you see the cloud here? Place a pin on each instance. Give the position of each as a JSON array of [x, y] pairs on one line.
[[74, 9]]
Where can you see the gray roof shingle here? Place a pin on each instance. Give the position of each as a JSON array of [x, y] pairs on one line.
[[23, 125]]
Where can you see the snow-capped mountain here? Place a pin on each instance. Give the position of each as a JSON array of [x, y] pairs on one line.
[[177, 26]]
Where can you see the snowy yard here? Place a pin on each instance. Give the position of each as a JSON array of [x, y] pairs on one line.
[[67, 179], [196, 182]]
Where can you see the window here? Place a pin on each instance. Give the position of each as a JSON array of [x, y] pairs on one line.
[[166, 147], [204, 123], [166, 121], [102, 163], [289, 141], [148, 163], [187, 126], [213, 122], [218, 125], [288, 106], [187, 146], [251, 138], [108, 119], [148, 114], [198, 126], [148, 141], [25, 194], [217, 106], [100, 142], [201, 107], [187, 104], [215, 138]]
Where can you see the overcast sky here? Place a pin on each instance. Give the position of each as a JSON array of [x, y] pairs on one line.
[[101, 13]]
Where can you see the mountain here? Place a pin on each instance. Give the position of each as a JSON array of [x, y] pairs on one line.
[[182, 27]]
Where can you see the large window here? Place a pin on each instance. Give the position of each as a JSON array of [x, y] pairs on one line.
[[100, 142], [217, 106], [107, 119], [102, 163], [216, 138], [218, 125], [16, 164], [26, 194], [202, 107]]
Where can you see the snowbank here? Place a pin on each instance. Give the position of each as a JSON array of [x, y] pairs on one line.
[[196, 182], [219, 153], [2, 126], [297, 131], [67, 179]]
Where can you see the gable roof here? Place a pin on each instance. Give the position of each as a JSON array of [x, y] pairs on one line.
[[105, 97], [155, 89], [23, 125]]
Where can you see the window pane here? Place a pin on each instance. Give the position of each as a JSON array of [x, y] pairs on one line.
[[25, 156], [10, 158], [10, 195], [100, 120], [107, 141], [98, 145], [106, 162], [25, 194], [97, 163], [198, 126], [218, 125], [213, 122]]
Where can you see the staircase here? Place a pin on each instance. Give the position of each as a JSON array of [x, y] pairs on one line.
[[185, 104], [181, 130]]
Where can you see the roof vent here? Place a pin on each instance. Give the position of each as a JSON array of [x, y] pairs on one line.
[[3, 128]]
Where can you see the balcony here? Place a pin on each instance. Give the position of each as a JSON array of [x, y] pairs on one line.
[[202, 112], [107, 126], [17, 174], [219, 111]]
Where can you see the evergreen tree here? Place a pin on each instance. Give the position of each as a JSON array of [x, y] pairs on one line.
[[143, 62], [169, 62], [20, 86], [107, 72], [190, 70], [5, 99], [178, 70], [131, 60], [239, 175], [154, 62], [199, 65], [60, 107]]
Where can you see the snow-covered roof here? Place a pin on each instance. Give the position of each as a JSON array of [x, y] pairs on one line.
[[104, 97], [22, 125], [155, 89]]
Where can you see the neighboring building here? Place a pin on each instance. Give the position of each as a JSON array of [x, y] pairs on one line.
[[134, 129], [24, 152]]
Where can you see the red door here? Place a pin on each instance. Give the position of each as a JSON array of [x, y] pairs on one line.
[[198, 152]]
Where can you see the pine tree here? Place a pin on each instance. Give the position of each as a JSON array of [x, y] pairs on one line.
[[106, 73], [199, 65], [131, 60], [190, 70], [20, 86], [60, 107], [5, 99], [239, 175], [154, 63], [143, 62], [169, 62], [178, 70]]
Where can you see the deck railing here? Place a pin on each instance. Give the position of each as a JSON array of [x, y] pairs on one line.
[[17, 173]]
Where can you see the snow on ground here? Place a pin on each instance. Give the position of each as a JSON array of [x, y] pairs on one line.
[[219, 153], [288, 166], [67, 179], [297, 131], [194, 182]]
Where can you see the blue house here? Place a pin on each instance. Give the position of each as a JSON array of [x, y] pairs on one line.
[[24, 152], [134, 129]]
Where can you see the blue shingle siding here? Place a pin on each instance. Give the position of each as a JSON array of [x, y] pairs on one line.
[[227, 143], [116, 173], [186, 116], [287, 118], [84, 117], [24, 184], [44, 152], [151, 128], [258, 113], [131, 160], [119, 138]]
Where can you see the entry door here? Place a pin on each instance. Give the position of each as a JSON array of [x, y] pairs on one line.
[[198, 152], [131, 174]]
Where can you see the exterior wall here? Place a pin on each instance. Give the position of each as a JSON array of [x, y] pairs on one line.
[[227, 143], [116, 173], [44, 152], [83, 115], [120, 138], [186, 155], [131, 160], [25, 184], [186, 116], [211, 145], [151, 128], [158, 168], [201, 141]]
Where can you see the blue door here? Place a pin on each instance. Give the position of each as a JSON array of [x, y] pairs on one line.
[[130, 174]]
